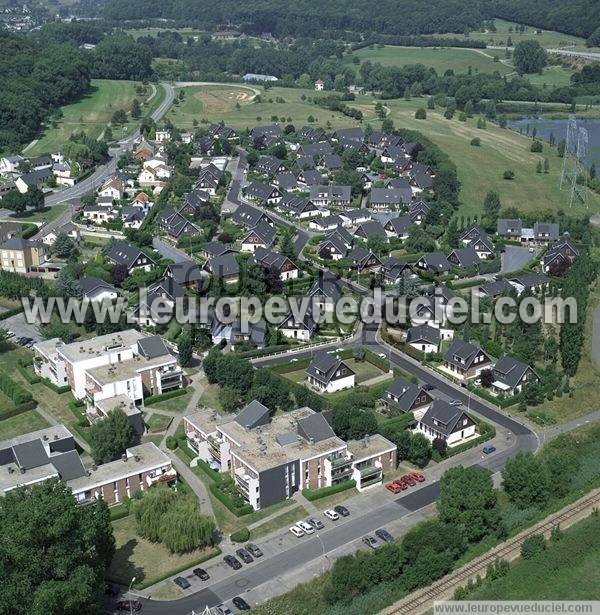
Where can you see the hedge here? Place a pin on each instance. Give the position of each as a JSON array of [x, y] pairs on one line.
[[399, 422], [212, 474], [8, 413], [242, 535], [238, 511], [13, 390], [154, 399], [466, 284], [250, 354], [505, 402], [489, 433], [12, 312], [27, 374], [316, 494], [53, 387]]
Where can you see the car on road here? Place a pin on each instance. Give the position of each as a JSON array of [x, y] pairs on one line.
[[531, 249], [181, 582], [129, 606], [384, 535], [381, 354], [254, 550], [316, 523], [307, 527], [393, 487], [417, 476], [222, 609], [331, 514], [232, 562], [371, 542], [488, 449], [341, 510], [201, 574], [241, 604], [428, 387], [455, 402], [244, 556], [298, 532], [9, 333]]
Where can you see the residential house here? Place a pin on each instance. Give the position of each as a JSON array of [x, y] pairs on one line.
[[33, 179], [546, 232], [263, 194], [464, 258], [559, 257], [299, 207], [403, 397], [69, 229], [331, 163], [325, 292], [96, 289], [533, 281], [8, 230], [325, 223], [185, 273], [132, 217], [464, 360], [494, 289], [333, 247], [363, 260], [270, 166], [331, 196], [10, 164], [310, 178], [122, 253], [351, 217], [301, 326], [398, 227], [389, 199], [327, 373], [424, 338], [418, 211], [371, 229], [248, 216], [99, 214], [434, 262], [511, 375], [261, 236], [176, 225], [22, 255], [225, 267], [285, 181], [394, 269], [113, 187], [445, 422], [277, 262]]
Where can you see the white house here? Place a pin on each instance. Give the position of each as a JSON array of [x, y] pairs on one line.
[[327, 373], [446, 422]]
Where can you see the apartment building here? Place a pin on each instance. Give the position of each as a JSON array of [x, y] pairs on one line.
[[22, 255], [272, 457]]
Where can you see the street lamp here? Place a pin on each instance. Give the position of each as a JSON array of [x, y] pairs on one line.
[[323, 547], [129, 591]]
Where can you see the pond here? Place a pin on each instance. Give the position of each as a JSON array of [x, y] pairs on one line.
[[546, 127]]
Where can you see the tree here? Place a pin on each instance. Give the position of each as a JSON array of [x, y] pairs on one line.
[[183, 528], [148, 511], [387, 126], [64, 246], [421, 113], [136, 109], [508, 174], [440, 445], [420, 450], [529, 57], [491, 209], [536, 146], [110, 436], [57, 551], [119, 117], [532, 546], [118, 274], [185, 349], [526, 481], [468, 499], [487, 378]]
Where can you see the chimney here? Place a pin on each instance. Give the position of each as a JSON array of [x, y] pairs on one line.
[[124, 457]]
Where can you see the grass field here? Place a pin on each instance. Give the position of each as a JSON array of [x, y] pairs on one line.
[[442, 59], [145, 560], [481, 169], [22, 423], [552, 76], [215, 103], [175, 404], [568, 570], [92, 113], [185, 32], [548, 38]]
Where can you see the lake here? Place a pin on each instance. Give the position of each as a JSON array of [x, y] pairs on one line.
[[559, 129]]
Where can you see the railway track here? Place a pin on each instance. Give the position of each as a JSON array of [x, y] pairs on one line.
[[421, 600]]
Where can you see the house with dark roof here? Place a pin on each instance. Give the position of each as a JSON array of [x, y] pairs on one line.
[[122, 253], [403, 397], [325, 292], [315, 150], [463, 360], [420, 180], [331, 196], [175, 225], [389, 199], [332, 248], [270, 166], [298, 207], [310, 177], [185, 273], [263, 194], [424, 338], [509, 228], [260, 236], [158, 302], [33, 179], [328, 373], [393, 153], [446, 422], [225, 267], [471, 232], [350, 217], [96, 289], [254, 334], [559, 257], [464, 258], [546, 232], [193, 202], [434, 262], [418, 211], [325, 223], [272, 130], [331, 163], [398, 227], [300, 326], [494, 289], [532, 281], [393, 269], [274, 261], [370, 229], [363, 260], [253, 415], [215, 248], [285, 181], [511, 375], [248, 216], [356, 134]]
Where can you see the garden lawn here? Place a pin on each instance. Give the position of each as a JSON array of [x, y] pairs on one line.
[[91, 114], [363, 370], [148, 562], [175, 404], [440, 58], [158, 422], [210, 395], [279, 522], [22, 423]]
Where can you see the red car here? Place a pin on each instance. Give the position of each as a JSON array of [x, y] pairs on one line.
[[417, 476], [401, 483], [409, 480], [393, 487]]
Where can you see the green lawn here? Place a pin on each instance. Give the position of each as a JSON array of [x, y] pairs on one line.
[[552, 76], [22, 423], [43, 215], [158, 422], [439, 58], [280, 522], [215, 103], [175, 404], [210, 395], [480, 169], [148, 562], [568, 570], [91, 114], [154, 32], [363, 370]]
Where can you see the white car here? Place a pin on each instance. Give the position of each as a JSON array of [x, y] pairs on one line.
[[307, 527], [381, 354], [331, 514], [297, 531]]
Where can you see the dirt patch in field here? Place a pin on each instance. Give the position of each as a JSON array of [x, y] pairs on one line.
[[221, 101]]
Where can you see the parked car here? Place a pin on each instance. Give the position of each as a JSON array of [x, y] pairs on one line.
[[371, 542], [341, 510], [252, 548], [244, 556], [316, 523], [331, 514], [222, 609], [297, 531], [417, 476], [129, 606], [428, 387], [384, 535], [393, 487], [232, 562], [489, 449], [455, 402], [241, 604], [401, 483], [381, 354], [307, 527], [181, 582], [201, 574], [409, 480]]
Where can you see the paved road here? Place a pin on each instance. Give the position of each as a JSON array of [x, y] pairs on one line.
[[166, 250], [588, 55], [515, 258]]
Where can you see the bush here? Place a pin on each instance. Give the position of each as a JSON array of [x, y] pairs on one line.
[[172, 443], [476, 142], [10, 313], [14, 391], [536, 146], [242, 535], [53, 387], [532, 546], [154, 399], [27, 374], [508, 174], [315, 494], [421, 114]]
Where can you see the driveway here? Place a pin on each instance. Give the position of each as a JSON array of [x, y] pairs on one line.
[[516, 258], [21, 328], [168, 251]]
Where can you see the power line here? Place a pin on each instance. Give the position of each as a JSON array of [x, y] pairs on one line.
[[574, 173]]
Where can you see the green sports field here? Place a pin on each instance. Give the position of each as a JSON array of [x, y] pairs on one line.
[[439, 58]]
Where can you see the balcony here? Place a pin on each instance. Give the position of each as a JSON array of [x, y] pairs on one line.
[[368, 472], [339, 462], [166, 477]]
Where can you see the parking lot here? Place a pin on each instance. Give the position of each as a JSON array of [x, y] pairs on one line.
[[18, 325]]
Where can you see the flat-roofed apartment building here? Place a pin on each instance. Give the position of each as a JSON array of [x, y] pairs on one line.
[[35, 457], [272, 457]]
